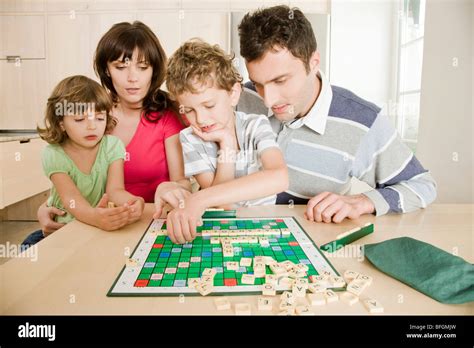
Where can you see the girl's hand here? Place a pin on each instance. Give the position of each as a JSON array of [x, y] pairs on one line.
[[181, 222], [110, 219], [169, 193], [46, 219], [136, 208]]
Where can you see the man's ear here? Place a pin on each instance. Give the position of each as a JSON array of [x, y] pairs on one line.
[[235, 93], [314, 62]]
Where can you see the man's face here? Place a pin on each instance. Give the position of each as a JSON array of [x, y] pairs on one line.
[[284, 84]]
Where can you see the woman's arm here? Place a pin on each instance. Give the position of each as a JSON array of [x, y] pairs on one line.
[[105, 218]]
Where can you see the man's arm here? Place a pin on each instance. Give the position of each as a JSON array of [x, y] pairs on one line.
[[400, 182]]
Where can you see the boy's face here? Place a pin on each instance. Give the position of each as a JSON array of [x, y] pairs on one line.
[[211, 108], [284, 84]]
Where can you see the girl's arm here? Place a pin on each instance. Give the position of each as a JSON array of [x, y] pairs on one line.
[[105, 218], [116, 191], [272, 179]]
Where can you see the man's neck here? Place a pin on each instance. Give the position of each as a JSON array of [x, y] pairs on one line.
[[314, 97]]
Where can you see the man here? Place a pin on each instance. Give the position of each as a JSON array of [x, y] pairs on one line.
[[327, 134]]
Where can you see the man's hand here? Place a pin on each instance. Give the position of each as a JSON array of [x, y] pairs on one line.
[[330, 207]]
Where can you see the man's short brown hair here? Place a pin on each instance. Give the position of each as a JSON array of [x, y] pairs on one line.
[[277, 27], [198, 62]]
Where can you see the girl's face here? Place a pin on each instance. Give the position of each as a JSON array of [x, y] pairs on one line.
[[131, 79], [85, 131]]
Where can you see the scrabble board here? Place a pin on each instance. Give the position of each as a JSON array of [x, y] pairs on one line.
[[159, 267]]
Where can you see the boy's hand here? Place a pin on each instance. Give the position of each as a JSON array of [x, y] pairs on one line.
[[181, 222], [168, 193], [110, 219], [224, 137], [136, 206]]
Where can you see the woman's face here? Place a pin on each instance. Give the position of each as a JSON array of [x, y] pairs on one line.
[[131, 79]]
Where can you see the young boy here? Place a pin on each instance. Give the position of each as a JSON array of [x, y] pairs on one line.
[[233, 156]]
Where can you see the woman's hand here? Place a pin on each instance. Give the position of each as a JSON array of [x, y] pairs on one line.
[[46, 216]]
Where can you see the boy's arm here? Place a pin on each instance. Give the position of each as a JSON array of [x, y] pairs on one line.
[[116, 190], [105, 218], [272, 179]]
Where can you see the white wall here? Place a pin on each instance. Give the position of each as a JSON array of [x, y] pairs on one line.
[[445, 143], [364, 52], [363, 48]]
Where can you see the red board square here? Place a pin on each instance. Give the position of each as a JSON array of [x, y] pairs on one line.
[[158, 246], [224, 221], [279, 220], [141, 283], [293, 243], [230, 282]]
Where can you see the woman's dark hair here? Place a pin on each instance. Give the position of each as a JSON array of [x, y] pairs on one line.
[[121, 41]]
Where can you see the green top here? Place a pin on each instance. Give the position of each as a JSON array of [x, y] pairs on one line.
[[92, 186]]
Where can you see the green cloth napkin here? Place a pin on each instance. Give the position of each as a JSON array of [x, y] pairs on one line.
[[426, 268]]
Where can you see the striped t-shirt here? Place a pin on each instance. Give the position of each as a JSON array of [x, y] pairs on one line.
[[254, 135], [344, 136]]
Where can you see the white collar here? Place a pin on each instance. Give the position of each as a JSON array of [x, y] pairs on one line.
[[317, 116]]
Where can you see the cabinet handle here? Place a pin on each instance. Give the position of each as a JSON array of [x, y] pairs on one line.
[[25, 141], [13, 59]]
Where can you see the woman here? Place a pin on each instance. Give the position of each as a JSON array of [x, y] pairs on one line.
[[131, 63]]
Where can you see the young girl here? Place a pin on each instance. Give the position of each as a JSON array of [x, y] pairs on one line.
[[85, 165]]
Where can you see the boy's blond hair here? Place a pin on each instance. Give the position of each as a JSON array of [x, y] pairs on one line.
[[197, 62]]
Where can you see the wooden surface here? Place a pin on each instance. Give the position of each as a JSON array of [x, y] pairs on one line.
[[77, 265]]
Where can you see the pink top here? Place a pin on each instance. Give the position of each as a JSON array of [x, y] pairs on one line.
[[145, 163]]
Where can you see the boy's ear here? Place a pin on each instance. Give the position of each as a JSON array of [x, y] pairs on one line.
[[235, 93]]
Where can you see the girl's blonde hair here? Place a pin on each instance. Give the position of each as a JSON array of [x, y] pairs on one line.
[[198, 62], [72, 96]]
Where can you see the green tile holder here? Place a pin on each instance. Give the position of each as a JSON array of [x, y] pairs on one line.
[[219, 214], [340, 243]]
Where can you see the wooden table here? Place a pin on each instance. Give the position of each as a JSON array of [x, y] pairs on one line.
[[77, 265]]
